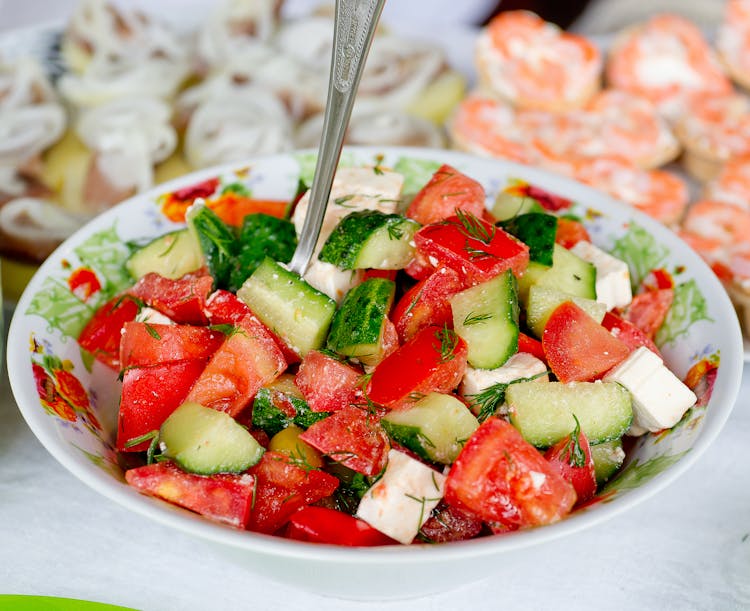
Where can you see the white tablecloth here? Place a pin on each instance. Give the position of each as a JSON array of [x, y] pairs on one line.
[[687, 549]]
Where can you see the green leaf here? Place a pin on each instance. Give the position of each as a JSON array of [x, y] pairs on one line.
[[688, 307], [236, 187], [641, 251], [416, 172]]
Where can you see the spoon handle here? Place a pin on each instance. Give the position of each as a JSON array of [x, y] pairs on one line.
[[354, 27]]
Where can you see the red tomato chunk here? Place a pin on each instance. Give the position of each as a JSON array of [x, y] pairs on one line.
[[144, 344], [447, 191], [183, 300], [328, 384], [504, 480], [101, 336]]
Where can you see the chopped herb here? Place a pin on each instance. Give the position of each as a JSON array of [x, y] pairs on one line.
[[395, 232], [416, 396], [474, 228], [414, 301], [572, 452], [477, 253], [448, 342], [153, 437], [475, 319], [152, 332], [343, 200]]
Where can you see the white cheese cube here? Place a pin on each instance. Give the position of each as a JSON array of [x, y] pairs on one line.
[[659, 397], [331, 280], [520, 365], [354, 189], [612, 275], [153, 317], [401, 501]]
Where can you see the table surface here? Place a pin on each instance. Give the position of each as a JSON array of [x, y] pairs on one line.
[[687, 548]]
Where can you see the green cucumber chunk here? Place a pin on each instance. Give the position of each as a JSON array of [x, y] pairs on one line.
[[171, 255], [269, 416], [206, 441], [261, 235], [370, 239], [608, 458], [217, 241], [435, 428], [485, 316], [569, 273], [295, 311], [508, 205], [543, 411], [358, 324], [537, 230], [543, 300]]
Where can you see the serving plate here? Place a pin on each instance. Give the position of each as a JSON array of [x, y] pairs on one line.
[[79, 431]]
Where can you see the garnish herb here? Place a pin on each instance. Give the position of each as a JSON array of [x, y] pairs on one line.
[[448, 342], [153, 437], [573, 453], [474, 228], [152, 332], [475, 319], [395, 232]]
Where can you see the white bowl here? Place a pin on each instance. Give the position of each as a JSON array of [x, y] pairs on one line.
[[48, 316]]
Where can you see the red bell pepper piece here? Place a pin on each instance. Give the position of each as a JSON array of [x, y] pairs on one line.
[[101, 336], [433, 360], [324, 525], [477, 250]]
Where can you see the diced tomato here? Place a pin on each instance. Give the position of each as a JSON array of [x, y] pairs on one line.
[[549, 201], [448, 523], [328, 384], [353, 437], [570, 232], [427, 303], [503, 479], [571, 457], [224, 497], [150, 395], [144, 344], [283, 488], [325, 525], [203, 189], [101, 336], [447, 191], [628, 333], [419, 267], [477, 250], [225, 308], [247, 359], [232, 208], [433, 360], [183, 300], [577, 347], [648, 310], [531, 346]]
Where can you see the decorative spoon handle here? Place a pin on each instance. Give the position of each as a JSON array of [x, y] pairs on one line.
[[354, 27]]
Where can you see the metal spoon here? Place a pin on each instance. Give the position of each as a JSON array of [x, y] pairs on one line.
[[354, 26]]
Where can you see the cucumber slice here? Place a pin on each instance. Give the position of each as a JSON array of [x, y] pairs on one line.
[[507, 205], [206, 441], [537, 230], [171, 255], [569, 273], [217, 241], [357, 327], [543, 412], [435, 427], [289, 306], [370, 239], [486, 317], [543, 300], [608, 458]]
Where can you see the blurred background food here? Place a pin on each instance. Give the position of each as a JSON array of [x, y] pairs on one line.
[[645, 101]]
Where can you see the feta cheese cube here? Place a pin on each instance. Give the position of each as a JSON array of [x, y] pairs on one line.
[[520, 365], [612, 275], [402, 499], [659, 397], [153, 317], [331, 280], [353, 189]]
